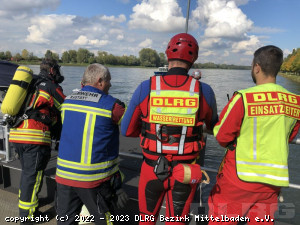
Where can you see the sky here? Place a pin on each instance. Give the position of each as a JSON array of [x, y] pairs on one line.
[[227, 31]]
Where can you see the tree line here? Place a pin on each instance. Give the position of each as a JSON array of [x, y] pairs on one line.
[[147, 58], [291, 63]]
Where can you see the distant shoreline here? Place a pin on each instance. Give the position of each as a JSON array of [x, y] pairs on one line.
[[196, 66], [293, 77]]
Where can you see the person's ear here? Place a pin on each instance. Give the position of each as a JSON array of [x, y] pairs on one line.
[[257, 68]]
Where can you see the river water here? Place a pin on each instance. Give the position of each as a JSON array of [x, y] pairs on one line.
[[125, 80]]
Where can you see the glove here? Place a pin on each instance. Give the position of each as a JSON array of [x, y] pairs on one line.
[[117, 180], [121, 198]]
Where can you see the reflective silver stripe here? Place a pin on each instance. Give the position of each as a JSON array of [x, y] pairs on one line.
[[12, 131], [263, 164], [254, 138], [158, 143], [264, 175], [87, 177], [192, 87], [57, 104], [192, 92], [158, 88], [88, 138], [86, 109], [27, 205], [78, 166], [170, 148], [44, 139], [46, 96], [182, 139]]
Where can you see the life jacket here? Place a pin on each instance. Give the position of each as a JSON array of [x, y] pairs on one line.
[[171, 125], [18, 103], [89, 144], [262, 147]]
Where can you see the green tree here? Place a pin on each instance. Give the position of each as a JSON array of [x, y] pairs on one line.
[[73, 56], [101, 57], [25, 54], [8, 55], [17, 57], [83, 55], [55, 56], [30, 56], [65, 58], [149, 57], [163, 59], [48, 54], [2, 56]]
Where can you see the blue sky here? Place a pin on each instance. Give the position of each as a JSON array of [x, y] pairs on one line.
[[228, 31]]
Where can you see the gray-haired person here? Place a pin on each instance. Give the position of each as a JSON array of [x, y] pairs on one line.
[[87, 164]]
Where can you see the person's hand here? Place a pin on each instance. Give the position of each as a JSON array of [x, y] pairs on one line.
[[121, 198], [197, 74]]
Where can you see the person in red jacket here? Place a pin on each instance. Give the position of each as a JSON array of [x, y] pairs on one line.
[[168, 113], [249, 180], [32, 137]]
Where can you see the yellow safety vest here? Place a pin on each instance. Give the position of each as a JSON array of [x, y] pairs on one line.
[[262, 147], [174, 106]]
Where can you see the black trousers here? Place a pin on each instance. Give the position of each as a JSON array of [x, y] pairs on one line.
[[98, 201], [34, 159]]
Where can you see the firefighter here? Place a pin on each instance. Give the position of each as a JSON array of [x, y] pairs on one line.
[[168, 113], [32, 139], [255, 126], [87, 164]]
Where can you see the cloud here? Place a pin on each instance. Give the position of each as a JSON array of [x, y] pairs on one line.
[[120, 19], [213, 43], [84, 41], [222, 19], [146, 44], [44, 27], [247, 47], [158, 16], [24, 8], [241, 2]]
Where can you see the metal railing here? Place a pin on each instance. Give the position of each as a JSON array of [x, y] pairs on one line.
[[5, 144]]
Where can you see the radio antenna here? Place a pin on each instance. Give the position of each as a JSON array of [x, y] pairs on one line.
[[187, 17]]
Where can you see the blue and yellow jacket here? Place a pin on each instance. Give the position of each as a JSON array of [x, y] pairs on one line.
[[89, 145]]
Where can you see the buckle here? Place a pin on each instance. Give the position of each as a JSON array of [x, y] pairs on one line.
[[159, 133], [170, 139], [25, 117]]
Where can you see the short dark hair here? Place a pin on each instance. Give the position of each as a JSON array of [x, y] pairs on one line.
[[47, 64], [269, 58]]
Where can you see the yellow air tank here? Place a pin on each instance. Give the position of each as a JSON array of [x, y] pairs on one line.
[[17, 91]]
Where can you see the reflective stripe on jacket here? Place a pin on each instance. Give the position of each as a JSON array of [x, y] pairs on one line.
[[49, 99], [170, 125], [262, 147], [89, 144]]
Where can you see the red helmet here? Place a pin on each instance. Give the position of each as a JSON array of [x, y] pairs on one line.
[[183, 46]]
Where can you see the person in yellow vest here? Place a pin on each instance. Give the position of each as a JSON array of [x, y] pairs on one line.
[[87, 163], [255, 126]]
